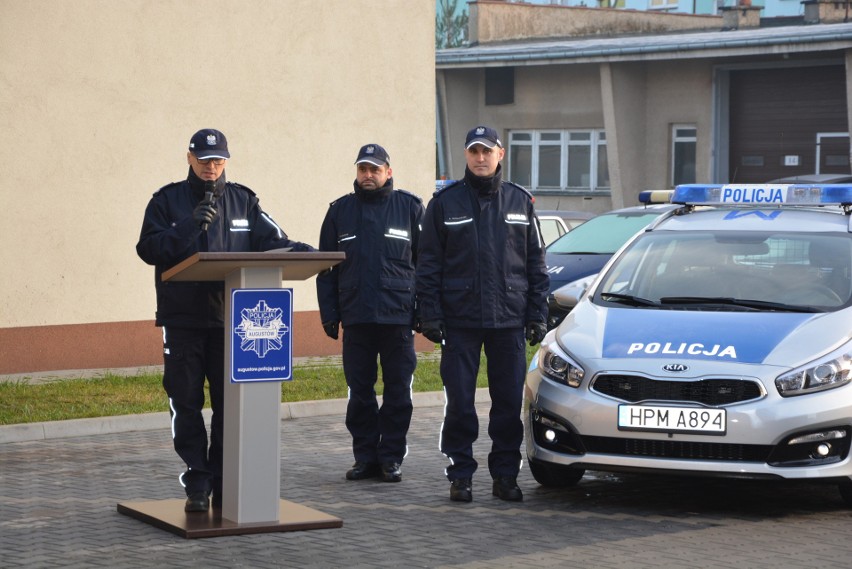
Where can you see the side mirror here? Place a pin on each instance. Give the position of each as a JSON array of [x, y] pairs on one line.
[[570, 294]]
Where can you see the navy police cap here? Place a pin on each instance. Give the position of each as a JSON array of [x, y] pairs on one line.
[[374, 154], [209, 143], [484, 135]]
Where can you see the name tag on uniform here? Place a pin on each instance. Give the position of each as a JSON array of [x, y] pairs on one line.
[[519, 218], [239, 225], [397, 234]]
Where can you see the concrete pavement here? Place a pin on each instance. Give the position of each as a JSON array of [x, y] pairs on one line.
[[58, 498]]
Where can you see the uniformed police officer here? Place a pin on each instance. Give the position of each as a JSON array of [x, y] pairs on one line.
[[205, 212], [482, 281], [372, 294]]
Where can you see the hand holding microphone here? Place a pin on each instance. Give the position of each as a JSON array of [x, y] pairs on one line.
[[204, 212]]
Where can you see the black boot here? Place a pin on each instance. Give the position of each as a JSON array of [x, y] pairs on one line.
[[363, 470], [506, 488], [461, 490], [197, 502]]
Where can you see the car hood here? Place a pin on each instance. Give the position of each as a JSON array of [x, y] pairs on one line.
[[770, 338], [568, 267]]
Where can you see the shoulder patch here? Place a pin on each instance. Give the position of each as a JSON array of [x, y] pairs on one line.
[[242, 187], [523, 189], [409, 194], [341, 198], [167, 186]]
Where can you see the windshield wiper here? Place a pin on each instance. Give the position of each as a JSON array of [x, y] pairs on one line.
[[742, 302], [627, 299]]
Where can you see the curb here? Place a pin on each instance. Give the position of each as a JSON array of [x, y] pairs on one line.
[[27, 432]]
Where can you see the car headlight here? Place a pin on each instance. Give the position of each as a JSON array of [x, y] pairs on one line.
[[560, 367], [828, 372]]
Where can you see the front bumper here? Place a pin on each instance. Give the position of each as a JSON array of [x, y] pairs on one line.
[[577, 427]]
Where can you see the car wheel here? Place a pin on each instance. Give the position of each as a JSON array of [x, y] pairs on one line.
[[555, 475], [845, 488]]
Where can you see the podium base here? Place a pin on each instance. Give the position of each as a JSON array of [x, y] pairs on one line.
[[169, 515]]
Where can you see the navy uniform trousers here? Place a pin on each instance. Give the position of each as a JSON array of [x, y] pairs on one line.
[[190, 356], [379, 434], [505, 352]]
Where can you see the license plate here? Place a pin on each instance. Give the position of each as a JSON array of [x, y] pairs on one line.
[[672, 419]]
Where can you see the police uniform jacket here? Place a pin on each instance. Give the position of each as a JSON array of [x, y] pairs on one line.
[[170, 235], [379, 231], [481, 258]]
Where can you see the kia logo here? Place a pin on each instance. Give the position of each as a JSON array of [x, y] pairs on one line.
[[675, 368]]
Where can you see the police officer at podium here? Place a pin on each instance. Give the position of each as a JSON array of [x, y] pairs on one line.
[[372, 294], [203, 213]]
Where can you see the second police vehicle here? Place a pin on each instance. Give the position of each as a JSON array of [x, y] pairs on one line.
[[718, 341]]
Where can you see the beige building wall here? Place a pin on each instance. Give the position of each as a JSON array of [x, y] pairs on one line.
[[98, 100]]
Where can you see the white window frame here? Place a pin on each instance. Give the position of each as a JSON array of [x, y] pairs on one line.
[[680, 139], [663, 4], [819, 138], [597, 139]]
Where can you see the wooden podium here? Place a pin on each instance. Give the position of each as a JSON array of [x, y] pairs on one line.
[[251, 475]]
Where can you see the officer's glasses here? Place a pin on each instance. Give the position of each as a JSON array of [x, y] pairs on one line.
[[216, 161]]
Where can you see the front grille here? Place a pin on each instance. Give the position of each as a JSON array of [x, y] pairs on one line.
[[712, 392], [677, 449]]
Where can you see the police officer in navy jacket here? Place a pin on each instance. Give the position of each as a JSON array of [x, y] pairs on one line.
[[482, 281], [372, 294], [203, 213]]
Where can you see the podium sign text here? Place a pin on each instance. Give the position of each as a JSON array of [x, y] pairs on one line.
[[261, 335]]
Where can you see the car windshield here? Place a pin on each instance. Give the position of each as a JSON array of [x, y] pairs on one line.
[[603, 234], [732, 270]]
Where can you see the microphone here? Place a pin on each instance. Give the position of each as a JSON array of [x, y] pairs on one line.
[[209, 197]]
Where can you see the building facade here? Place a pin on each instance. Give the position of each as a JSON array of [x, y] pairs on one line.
[[590, 121], [769, 8]]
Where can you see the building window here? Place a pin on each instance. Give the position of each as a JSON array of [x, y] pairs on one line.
[[663, 4], [684, 139], [499, 85], [558, 161]]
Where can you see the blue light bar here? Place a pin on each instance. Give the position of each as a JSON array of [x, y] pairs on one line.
[[763, 194], [649, 197]]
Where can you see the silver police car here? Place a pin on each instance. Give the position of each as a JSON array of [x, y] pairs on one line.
[[717, 341]]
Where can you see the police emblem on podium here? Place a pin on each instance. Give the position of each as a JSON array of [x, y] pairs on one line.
[[261, 343]]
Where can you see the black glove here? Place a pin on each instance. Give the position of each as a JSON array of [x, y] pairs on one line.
[[433, 330], [536, 332], [299, 247], [203, 214], [331, 329]]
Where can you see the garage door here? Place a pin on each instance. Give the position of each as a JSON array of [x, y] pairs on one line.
[[779, 115]]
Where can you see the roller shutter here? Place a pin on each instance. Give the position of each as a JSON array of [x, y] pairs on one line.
[[776, 115]]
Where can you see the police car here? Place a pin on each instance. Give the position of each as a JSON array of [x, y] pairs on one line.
[[716, 341]]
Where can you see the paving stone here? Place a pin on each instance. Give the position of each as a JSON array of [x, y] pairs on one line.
[[58, 501]]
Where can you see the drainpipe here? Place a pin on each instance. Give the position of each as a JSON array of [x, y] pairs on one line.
[[445, 165]]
